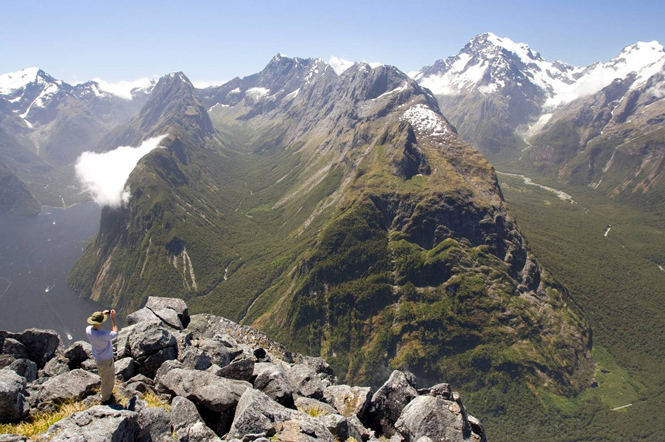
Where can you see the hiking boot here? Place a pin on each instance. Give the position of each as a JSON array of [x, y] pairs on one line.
[[109, 401]]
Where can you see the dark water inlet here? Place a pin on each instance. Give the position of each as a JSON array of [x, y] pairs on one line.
[[36, 254]]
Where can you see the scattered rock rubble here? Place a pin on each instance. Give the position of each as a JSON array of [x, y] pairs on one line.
[[224, 381]]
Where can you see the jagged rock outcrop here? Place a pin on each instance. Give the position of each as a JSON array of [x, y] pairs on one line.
[[300, 399]]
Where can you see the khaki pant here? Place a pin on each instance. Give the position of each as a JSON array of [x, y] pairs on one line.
[[106, 369]]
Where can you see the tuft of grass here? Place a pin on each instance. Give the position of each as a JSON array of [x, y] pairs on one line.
[[40, 422], [153, 400], [314, 411]]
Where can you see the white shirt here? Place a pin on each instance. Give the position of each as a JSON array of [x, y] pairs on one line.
[[100, 340]]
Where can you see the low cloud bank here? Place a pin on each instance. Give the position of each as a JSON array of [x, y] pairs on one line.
[[105, 174]]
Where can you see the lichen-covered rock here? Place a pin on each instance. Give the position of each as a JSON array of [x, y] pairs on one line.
[[204, 389], [74, 384], [148, 338], [430, 416], [216, 350], [14, 348], [188, 424], [194, 358], [389, 401], [97, 424], [13, 404], [313, 407], [348, 400], [55, 367], [142, 315]]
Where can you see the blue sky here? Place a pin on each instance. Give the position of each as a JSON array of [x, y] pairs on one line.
[[218, 40]]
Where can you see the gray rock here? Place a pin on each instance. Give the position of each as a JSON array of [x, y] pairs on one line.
[[6, 360], [14, 438], [97, 424], [389, 401], [443, 390], [73, 384], [178, 305], [154, 425], [320, 366], [348, 400], [78, 352], [25, 368], [216, 350], [203, 388], [121, 342], [162, 371], [125, 368], [41, 344], [357, 430], [259, 416], [13, 404], [430, 416], [313, 407], [272, 380], [337, 425], [152, 363], [306, 381], [148, 338], [241, 369], [169, 317], [139, 384], [142, 315], [14, 348], [55, 367], [89, 365], [477, 427], [195, 359], [188, 424]]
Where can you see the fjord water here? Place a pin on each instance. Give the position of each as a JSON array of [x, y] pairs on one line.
[[35, 255]]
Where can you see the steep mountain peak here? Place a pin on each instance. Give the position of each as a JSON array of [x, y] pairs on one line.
[[14, 81], [126, 90], [493, 45]]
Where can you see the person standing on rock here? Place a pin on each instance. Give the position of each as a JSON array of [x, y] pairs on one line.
[[102, 350]]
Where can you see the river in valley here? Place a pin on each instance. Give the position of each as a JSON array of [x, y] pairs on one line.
[[35, 255]]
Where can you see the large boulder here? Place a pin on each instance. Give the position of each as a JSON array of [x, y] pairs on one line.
[[216, 350], [125, 369], [74, 384], [431, 416], [41, 344], [204, 389], [272, 380], [142, 315], [348, 400], [177, 305], [13, 404], [25, 368], [97, 424], [188, 424], [194, 358], [306, 381], [154, 425], [388, 402], [78, 352], [150, 345], [54, 367]]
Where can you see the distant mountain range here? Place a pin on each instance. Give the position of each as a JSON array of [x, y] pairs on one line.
[[598, 125]]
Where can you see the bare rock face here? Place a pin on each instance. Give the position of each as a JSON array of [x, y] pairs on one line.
[[154, 425], [13, 404], [97, 424], [428, 416], [272, 380], [78, 352], [40, 344]]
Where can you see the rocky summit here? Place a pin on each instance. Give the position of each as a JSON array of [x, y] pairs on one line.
[[217, 380]]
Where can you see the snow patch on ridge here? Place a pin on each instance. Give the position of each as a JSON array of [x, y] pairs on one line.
[[104, 175], [339, 65], [424, 120], [257, 93]]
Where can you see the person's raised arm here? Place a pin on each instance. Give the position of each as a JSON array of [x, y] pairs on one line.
[[115, 326]]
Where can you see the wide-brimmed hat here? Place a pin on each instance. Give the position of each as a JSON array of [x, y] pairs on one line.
[[97, 318]]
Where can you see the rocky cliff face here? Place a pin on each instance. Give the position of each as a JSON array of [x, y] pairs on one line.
[[216, 379], [346, 217]]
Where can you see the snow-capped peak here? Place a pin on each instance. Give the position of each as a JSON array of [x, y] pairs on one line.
[[14, 81], [125, 89]]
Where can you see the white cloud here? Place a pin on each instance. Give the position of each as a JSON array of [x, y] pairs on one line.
[[123, 89], [105, 174]]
